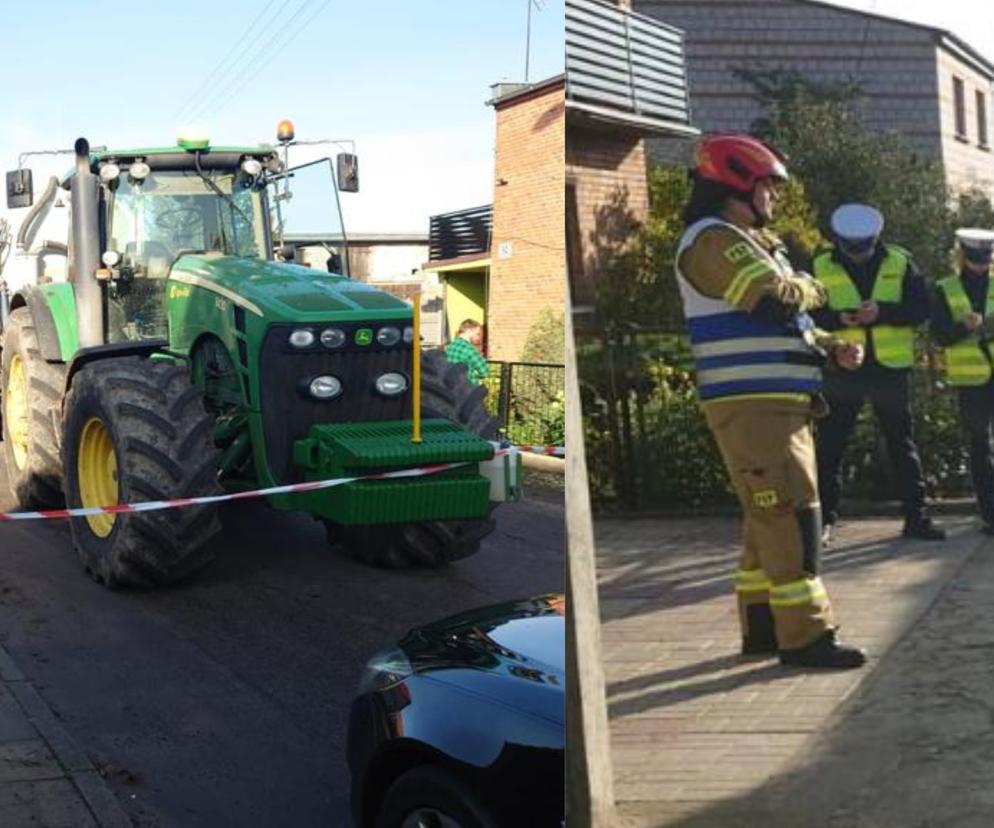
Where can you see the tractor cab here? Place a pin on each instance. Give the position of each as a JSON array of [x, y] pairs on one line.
[[157, 206]]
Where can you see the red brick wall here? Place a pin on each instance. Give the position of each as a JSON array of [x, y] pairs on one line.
[[607, 172], [529, 204]]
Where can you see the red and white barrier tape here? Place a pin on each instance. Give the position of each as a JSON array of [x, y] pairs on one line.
[[552, 451], [157, 505], [290, 488]]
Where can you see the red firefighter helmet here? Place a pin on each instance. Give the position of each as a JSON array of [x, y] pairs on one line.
[[738, 161]]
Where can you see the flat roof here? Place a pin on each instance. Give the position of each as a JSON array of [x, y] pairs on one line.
[[530, 89]]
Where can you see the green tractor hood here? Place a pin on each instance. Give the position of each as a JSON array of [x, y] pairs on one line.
[[286, 293]]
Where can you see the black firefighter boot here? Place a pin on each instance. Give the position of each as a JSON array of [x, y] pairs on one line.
[[760, 638], [825, 652]]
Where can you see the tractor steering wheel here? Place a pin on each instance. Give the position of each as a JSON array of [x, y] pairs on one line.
[[179, 220]]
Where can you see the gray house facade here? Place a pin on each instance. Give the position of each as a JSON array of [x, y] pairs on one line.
[[922, 83]]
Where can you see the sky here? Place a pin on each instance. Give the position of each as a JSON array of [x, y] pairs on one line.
[[970, 20], [405, 81]]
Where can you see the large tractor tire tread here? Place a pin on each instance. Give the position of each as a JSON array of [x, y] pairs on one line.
[[39, 483], [446, 394], [164, 449]]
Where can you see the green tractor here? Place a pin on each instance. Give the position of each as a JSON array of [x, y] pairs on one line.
[[185, 354]]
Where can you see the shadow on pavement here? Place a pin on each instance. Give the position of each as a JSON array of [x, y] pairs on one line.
[[765, 672], [658, 570], [914, 748]]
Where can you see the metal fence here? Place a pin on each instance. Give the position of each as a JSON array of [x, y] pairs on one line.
[[529, 400]]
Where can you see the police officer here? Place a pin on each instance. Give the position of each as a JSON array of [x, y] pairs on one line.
[[963, 323], [758, 362], [876, 297]]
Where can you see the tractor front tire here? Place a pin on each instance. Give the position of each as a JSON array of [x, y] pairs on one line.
[[136, 430], [446, 394], [32, 392]]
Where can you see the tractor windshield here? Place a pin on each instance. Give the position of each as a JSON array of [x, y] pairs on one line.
[[153, 221]]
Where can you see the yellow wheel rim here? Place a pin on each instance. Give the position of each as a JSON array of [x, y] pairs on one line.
[[15, 410], [96, 466]]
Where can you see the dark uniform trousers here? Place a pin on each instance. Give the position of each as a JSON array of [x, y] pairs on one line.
[[976, 408], [887, 391]]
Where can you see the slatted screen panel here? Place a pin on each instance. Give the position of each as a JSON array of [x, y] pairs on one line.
[[627, 62], [461, 233]]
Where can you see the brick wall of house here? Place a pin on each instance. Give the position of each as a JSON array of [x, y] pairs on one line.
[[967, 163], [894, 62], [606, 171], [528, 253]]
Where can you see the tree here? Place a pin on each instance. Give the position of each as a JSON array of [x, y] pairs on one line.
[[839, 160]]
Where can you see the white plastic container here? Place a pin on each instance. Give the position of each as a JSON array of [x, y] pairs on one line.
[[504, 474]]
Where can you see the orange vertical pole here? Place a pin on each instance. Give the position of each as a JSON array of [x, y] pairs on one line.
[[416, 372]]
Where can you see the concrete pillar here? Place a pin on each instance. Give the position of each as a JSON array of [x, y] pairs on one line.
[[589, 781]]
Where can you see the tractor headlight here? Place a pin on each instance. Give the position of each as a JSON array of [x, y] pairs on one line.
[[109, 172], [408, 335], [388, 336], [325, 388], [138, 171], [302, 338], [332, 337], [252, 167], [392, 384]]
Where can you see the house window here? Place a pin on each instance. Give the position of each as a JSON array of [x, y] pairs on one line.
[[959, 102], [982, 119]]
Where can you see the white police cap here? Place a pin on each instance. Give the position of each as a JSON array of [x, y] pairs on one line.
[[857, 222], [975, 238]]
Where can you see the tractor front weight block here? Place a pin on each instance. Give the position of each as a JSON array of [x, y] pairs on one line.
[[340, 450]]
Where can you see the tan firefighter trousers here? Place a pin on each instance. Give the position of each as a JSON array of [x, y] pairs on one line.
[[768, 449]]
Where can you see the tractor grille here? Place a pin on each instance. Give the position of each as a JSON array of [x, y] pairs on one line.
[[288, 412]]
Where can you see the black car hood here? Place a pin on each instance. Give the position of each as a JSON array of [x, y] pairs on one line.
[[514, 653]]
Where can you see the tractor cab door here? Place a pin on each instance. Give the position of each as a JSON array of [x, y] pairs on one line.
[[307, 217]]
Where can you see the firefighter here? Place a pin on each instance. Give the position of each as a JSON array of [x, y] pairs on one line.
[[963, 323], [876, 297], [758, 360]]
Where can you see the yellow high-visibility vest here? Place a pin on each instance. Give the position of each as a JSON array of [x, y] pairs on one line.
[[967, 363], [894, 345]]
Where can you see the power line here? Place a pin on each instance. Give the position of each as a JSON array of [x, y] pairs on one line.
[[249, 52], [862, 46], [228, 54], [274, 53]]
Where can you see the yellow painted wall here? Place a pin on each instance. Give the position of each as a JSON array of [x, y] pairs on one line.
[[465, 298]]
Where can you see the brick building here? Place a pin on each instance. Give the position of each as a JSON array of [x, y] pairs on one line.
[[624, 81], [923, 83], [528, 255], [504, 264]]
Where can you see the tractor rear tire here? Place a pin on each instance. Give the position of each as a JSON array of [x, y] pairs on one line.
[[32, 392], [139, 431], [446, 394]]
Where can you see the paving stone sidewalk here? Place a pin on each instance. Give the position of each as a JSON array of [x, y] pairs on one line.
[[46, 781], [693, 724]]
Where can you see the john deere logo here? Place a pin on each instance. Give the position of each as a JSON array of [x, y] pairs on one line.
[[364, 336]]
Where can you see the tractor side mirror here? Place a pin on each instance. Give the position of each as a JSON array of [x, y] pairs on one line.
[[20, 192], [348, 172]]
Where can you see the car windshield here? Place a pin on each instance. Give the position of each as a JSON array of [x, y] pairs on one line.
[[153, 221]]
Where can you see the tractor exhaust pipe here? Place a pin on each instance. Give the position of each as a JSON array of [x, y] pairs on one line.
[[85, 189]]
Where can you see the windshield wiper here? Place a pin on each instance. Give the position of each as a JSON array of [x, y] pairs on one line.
[[210, 183]]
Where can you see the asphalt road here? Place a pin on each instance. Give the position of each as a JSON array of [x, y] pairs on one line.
[[224, 702]]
